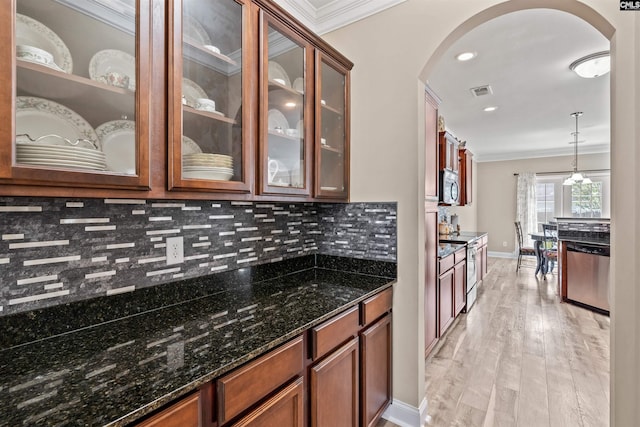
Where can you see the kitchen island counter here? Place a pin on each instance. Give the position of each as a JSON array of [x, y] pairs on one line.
[[114, 368]]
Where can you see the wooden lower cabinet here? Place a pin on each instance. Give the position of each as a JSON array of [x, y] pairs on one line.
[[285, 409], [430, 280], [185, 413], [459, 294], [334, 388], [445, 300], [375, 370]]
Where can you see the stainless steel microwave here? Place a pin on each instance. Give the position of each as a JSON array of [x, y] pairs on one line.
[[449, 187]]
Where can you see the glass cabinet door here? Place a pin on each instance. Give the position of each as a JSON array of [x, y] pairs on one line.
[[208, 144], [286, 111], [332, 129], [76, 100]]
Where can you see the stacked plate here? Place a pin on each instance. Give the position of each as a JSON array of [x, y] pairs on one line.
[[42, 154], [207, 166]]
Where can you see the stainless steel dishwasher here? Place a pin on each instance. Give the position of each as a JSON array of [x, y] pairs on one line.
[[588, 275]]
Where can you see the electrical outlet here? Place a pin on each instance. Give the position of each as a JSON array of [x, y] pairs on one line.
[[175, 250], [504, 244]]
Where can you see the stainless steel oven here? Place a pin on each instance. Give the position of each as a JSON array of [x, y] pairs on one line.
[[472, 289]]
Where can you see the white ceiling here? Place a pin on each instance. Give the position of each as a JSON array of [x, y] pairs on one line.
[[322, 16], [525, 57]]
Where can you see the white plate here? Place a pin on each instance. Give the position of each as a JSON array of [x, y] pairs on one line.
[[118, 139], [276, 72], [298, 84], [329, 188], [33, 33], [64, 162], [212, 175], [277, 120], [189, 146], [191, 91], [113, 60], [70, 152], [39, 156], [38, 117], [207, 168], [193, 31]]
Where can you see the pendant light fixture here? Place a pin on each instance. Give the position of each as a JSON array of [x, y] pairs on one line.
[[576, 177]]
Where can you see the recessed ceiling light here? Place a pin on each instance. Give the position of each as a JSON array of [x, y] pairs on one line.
[[591, 66], [490, 109], [465, 56]]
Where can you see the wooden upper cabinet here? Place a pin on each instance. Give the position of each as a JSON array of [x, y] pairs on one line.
[[332, 129], [466, 178], [431, 169], [210, 83], [286, 110], [448, 148], [75, 94]]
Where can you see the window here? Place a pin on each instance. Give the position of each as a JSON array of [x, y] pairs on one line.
[[545, 203], [555, 200], [586, 200]]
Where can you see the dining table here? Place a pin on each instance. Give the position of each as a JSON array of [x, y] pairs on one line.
[[543, 264]]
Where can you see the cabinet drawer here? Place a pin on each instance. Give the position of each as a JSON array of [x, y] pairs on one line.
[[460, 255], [333, 332], [249, 384], [446, 263], [284, 409], [185, 413], [376, 306]]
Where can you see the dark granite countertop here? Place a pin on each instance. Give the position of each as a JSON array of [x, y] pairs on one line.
[[445, 249], [125, 366]]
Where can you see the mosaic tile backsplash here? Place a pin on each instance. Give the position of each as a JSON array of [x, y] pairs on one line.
[[55, 251]]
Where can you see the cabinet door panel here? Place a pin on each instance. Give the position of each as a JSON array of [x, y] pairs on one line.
[[285, 409], [209, 89], [286, 130], [445, 303], [375, 370], [334, 388], [430, 280], [332, 129], [185, 413], [77, 114]]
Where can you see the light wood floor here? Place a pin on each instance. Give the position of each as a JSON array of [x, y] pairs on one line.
[[520, 358]]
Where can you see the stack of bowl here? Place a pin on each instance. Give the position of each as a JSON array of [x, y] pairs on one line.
[[207, 166]]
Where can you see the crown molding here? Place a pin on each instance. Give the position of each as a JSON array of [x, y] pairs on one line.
[[336, 14], [520, 155]]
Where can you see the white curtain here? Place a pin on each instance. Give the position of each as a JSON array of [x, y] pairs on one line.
[[526, 206]]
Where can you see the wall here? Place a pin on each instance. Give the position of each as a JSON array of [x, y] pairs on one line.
[[54, 251], [394, 52], [497, 192]]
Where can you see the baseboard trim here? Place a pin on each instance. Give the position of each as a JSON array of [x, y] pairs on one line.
[[502, 254], [406, 415]]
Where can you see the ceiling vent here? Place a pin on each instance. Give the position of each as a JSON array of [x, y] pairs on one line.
[[481, 91]]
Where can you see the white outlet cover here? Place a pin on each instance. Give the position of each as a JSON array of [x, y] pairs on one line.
[[175, 250]]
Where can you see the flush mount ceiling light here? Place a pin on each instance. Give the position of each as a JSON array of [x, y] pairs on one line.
[[465, 56], [576, 177], [591, 66], [490, 109]]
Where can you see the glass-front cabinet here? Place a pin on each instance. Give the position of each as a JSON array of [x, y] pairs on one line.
[[286, 110], [332, 129], [76, 111], [209, 147]]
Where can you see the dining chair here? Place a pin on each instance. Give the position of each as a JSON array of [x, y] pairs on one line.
[[550, 232], [522, 250]]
